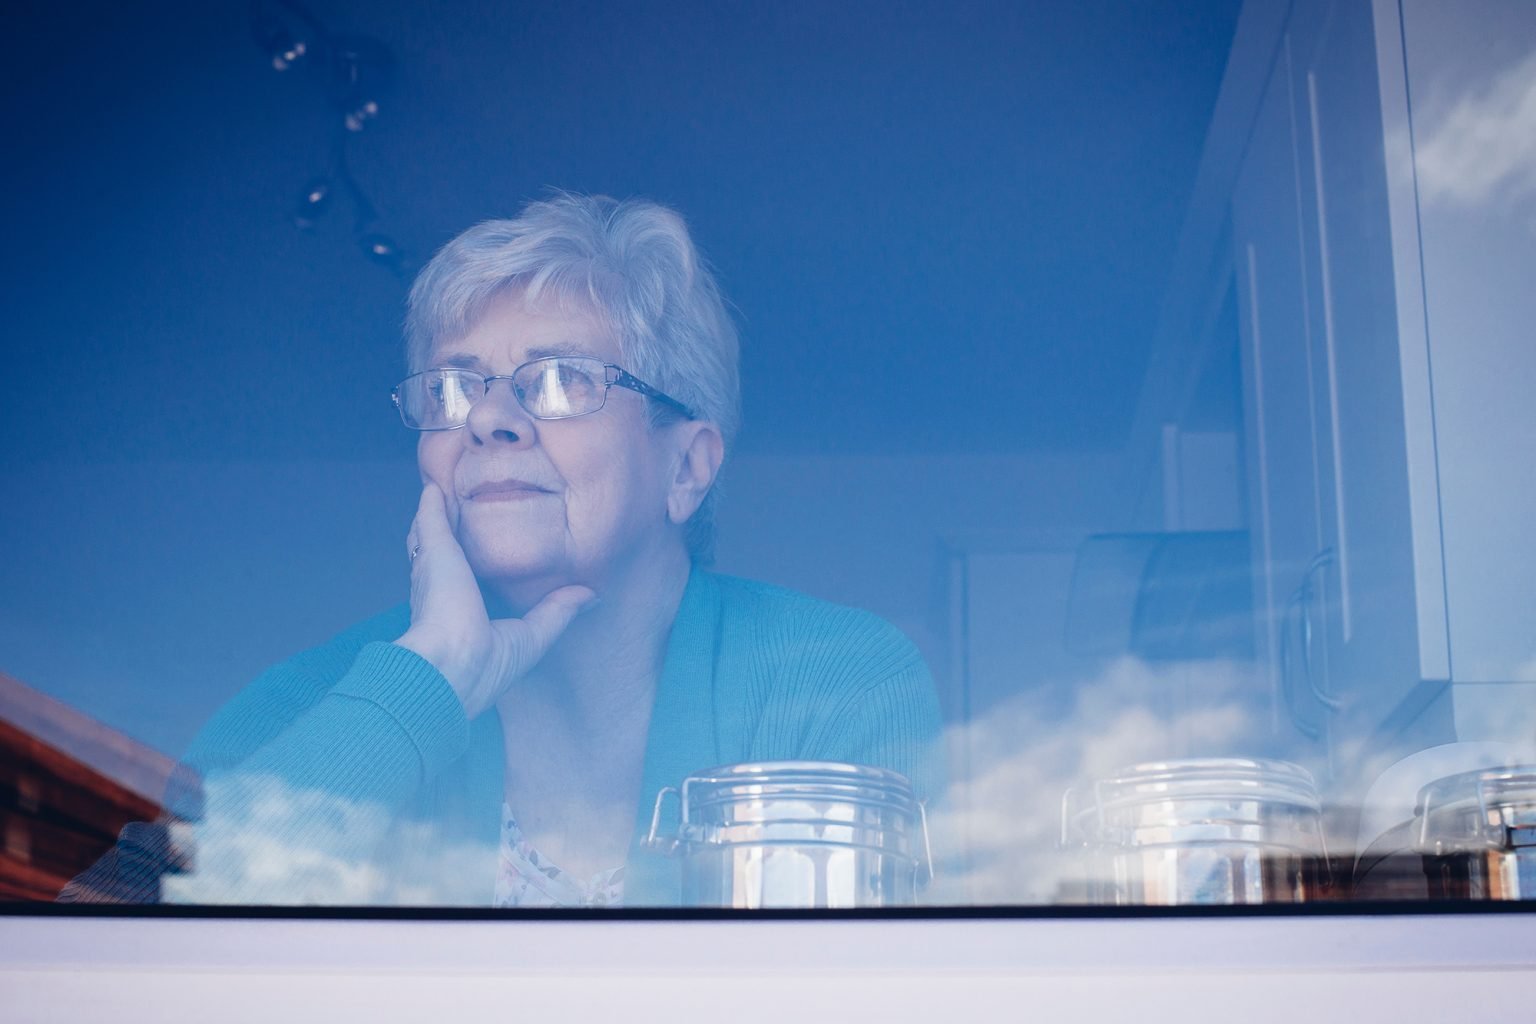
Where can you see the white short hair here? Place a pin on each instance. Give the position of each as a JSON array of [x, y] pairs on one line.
[[633, 263]]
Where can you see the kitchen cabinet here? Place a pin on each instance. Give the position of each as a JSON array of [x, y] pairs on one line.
[[1472, 81], [1278, 380], [1386, 441]]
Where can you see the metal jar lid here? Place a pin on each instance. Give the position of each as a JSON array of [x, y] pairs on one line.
[[794, 802], [1197, 800], [1492, 808], [765, 780]]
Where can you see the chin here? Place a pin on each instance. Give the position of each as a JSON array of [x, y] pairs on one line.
[[526, 572], [507, 568], [499, 548]]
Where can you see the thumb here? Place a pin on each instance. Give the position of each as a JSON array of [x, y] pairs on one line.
[[542, 624]]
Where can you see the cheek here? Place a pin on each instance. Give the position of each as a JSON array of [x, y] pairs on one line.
[[434, 458], [615, 498], [599, 509], [602, 486], [437, 459]]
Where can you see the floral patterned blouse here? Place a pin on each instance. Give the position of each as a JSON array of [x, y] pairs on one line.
[[526, 879]]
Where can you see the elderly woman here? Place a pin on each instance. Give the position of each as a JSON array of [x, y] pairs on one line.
[[565, 655]]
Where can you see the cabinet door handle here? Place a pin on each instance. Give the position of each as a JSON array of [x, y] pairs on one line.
[[1323, 559], [1287, 689]]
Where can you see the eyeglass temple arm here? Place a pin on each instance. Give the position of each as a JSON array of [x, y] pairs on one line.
[[624, 379]]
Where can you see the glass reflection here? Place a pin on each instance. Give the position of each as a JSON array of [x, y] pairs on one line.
[[1204, 577]]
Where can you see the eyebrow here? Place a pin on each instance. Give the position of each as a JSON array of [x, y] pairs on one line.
[[560, 348], [473, 362], [458, 359]]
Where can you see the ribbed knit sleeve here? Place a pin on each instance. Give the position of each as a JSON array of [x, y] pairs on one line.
[[271, 702], [386, 727], [304, 767]]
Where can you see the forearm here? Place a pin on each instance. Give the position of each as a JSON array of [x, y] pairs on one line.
[[386, 727], [298, 821], [307, 764]]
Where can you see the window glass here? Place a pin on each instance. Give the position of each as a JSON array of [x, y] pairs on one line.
[[1014, 455]]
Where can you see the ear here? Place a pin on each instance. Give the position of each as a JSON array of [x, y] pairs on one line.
[[698, 453]]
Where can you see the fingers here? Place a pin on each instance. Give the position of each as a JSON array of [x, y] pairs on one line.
[[430, 530], [542, 625], [432, 526]]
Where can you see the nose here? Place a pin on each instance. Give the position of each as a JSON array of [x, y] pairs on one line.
[[499, 419]]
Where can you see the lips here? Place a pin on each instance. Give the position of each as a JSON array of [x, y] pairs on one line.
[[505, 490]]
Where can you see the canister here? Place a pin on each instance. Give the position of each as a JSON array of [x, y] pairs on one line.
[[796, 834], [1477, 834], [1203, 831]]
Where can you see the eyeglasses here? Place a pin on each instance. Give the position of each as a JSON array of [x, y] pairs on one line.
[[552, 388]]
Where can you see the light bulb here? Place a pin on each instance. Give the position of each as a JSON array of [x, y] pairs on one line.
[[362, 72], [312, 204], [357, 118], [381, 249], [282, 47]]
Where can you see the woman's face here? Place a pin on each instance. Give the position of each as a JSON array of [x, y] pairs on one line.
[[540, 503]]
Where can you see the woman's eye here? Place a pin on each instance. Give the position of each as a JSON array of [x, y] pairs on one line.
[[450, 392], [576, 380]]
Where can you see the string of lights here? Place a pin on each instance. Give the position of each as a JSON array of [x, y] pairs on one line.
[[354, 73]]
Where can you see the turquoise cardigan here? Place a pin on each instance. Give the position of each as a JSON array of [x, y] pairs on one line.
[[752, 672]]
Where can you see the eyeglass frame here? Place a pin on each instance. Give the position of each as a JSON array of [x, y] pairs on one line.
[[614, 375]]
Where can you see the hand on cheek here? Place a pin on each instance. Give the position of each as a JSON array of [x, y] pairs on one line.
[[480, 657]]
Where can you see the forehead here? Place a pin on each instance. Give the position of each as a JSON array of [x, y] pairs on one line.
[[512, 330]]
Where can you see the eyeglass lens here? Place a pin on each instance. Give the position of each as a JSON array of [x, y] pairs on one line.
[[554, 388]]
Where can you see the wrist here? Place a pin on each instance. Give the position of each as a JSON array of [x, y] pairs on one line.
[[442, 655]]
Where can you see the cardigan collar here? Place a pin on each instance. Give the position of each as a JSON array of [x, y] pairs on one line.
[[682, 736]]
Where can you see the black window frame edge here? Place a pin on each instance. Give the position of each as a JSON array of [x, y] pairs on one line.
[[1363, 908]]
